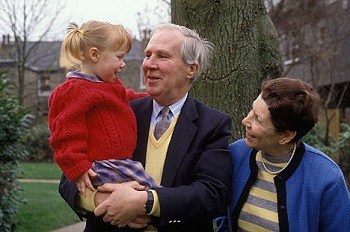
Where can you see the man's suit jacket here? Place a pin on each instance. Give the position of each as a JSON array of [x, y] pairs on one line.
[[196, 180]]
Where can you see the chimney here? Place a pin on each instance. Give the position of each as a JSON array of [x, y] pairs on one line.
[[5, 40]]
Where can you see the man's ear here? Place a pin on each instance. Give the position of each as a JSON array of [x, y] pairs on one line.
[[94, 54], [192, 70], [287, 136]]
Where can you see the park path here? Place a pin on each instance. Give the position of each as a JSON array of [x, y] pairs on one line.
[[39, 181], [72, 228], [76, 227]]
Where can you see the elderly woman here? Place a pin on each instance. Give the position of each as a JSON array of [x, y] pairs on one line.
[[279, 182]]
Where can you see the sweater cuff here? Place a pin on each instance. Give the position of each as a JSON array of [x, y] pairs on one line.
[[77, 171], [156, 206]]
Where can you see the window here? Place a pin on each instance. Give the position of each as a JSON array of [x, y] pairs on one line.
[[289, 48], [329, 2], [44, 86]]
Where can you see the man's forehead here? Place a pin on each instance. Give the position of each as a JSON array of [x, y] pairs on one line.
[[165, 40]]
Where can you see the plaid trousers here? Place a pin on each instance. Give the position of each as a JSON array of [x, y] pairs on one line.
[[119, 171]]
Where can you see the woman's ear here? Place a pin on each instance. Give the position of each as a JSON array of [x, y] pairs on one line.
[[192, 70], [287, 136], [94, 54]]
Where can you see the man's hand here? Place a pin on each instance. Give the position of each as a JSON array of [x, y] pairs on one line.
[[123, 205], [107, 189], [101, 197], [140, 222]]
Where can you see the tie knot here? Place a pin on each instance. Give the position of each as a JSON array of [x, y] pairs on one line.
[[165, 112]]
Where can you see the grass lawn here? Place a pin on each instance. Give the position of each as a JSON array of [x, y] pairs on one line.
[[44, 210], [39, 171]]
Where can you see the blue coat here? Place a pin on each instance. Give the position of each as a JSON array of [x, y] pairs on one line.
[[311, 191], [196, 176]]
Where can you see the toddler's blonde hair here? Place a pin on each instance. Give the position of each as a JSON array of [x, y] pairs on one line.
[[101, 35]]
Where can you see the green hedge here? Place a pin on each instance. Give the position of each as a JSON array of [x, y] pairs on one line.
[[341, 147], [11, 151]]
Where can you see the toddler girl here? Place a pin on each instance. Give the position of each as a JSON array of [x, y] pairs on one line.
[[93, 128]]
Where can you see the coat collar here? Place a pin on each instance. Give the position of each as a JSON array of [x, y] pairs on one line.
[[143, 112]]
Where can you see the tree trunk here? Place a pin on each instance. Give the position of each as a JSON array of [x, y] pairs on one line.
[[246, 52]]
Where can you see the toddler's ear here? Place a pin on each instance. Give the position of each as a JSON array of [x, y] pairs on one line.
[[94, 54]]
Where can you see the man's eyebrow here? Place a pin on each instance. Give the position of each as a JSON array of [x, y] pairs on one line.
[[163, 51]]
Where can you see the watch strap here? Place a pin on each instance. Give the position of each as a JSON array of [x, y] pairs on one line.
[[150, 202]]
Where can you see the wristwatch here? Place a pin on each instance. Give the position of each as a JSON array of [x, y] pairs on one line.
[[149, 203]]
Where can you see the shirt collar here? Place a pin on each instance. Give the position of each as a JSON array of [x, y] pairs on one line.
[[75, 74], [175, 108]]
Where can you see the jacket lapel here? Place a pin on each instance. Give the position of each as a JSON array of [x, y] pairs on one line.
[[182, 137], [143, 114]]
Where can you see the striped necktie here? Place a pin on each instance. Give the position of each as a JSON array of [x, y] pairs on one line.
[[163, 124]]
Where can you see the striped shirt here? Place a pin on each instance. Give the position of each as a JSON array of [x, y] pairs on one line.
[[259, 212]]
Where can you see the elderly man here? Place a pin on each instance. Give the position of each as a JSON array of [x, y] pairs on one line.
[[182, 143]]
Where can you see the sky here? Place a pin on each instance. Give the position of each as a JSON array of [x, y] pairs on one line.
[[125, 12], [115, 11]]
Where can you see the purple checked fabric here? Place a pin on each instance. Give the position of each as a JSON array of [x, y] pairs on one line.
[[119, 171], [163, 124]]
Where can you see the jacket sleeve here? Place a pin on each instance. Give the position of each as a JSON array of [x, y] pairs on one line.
[[67, 121], [335, 206], [69, 192], [207, 195]]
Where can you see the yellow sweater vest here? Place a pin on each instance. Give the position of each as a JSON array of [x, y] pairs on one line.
[[156, 152]]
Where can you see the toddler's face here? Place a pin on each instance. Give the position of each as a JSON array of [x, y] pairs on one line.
[[109, 64]]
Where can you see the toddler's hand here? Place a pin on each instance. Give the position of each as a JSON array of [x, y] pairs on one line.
[[84, 182]]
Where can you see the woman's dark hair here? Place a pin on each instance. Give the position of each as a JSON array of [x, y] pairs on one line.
[[293, 104]]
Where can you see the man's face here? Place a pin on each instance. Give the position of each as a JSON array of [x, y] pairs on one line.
[[166, 76]]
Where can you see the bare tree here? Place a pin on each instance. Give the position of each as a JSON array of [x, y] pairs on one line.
[[160, 14], [313, 35], [27, 21]]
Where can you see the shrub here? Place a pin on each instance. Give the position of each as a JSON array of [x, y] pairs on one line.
[[316, 139], [344, 146], [37, 144], [341, 147], [11, 151]]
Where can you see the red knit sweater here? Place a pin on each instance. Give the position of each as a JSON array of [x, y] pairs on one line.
[[90, 121]]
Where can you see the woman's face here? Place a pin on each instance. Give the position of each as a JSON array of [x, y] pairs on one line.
[[260, 132]]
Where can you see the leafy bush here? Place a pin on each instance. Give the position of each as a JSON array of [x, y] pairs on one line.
[[37, 144], [11, 151], [316, 139], [344, 145], [341, 147]]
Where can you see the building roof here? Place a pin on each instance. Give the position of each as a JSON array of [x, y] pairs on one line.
[[44, 55]]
